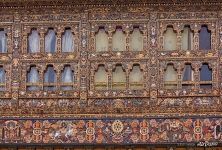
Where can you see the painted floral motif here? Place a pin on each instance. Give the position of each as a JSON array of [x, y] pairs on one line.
[[109, 131]]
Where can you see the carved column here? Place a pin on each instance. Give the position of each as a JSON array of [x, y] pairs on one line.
[[214, 47], [213, 37], [127, 38], [58, 77], [152, 38], [42, 41], [180, 74], [83, 62], [8, 76], [41, 78], [110, 77], [23, 77], [161, 36], [127, 78], [75, 31], [215, 80], [24, 41], [93, 39], [197, 76], [92, 81], [110, 38], [76, 77], [179, 37], [59, 40], [146, 83], [9, 40], [145, 78], [16, 64], [196, 38]]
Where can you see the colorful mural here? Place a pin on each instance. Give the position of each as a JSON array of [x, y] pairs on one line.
[[109, 131]]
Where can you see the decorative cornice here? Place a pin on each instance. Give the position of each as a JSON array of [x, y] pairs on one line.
[[34, 3]]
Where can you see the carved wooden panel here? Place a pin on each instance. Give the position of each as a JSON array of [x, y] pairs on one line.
[[117, 97]]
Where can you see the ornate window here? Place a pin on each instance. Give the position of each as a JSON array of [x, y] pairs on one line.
[[3, 41], [2, 79], [188, 76], [119, 40], [136, 40], [204, 38], [187, 38], [119, 78], [170, 39], [34, 42], [50, 79], [67, 78], [33, 79], [50, 41], [136, 77], [170, 77], [68, 41], [102, 40], [205, 76], [101, 80]]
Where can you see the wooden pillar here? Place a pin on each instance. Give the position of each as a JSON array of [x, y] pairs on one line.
[[110, 40], [127, 39], [127, 78], [196, 38], [42, 41], [110, 78], [59, 41]]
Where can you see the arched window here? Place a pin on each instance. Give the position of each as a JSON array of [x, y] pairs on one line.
[[204, 38], [2, 79], [3, 41], [188, 76], [49, 79], [50, 41], [101, 78], [32, 79], [67, 78], [119, 40], [136, 77], [101, 40], [119, 78], [205, 76], [34, 42], [187, 38], [170, 77], [136, 40], [67, 41], [170, 39]]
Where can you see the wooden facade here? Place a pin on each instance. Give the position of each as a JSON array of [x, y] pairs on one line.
[[145, 74]]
